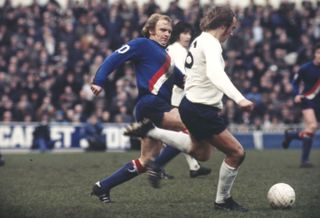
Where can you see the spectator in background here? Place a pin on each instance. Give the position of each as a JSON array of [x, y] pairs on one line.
[[151, 7], [92, 131], [175, 12], [309, 99], [7, 117], [41, 136]]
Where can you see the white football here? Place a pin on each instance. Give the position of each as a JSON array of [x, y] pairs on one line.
[[281, 196]]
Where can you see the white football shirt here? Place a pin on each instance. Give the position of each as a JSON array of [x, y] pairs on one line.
[[206, 81]]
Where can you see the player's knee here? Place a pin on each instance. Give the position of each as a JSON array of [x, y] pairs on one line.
[[242, 157], [238, 156]]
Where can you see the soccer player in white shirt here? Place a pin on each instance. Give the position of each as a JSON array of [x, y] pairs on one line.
[[205, 86]]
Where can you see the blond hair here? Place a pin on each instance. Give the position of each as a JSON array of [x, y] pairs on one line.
[[152, 22]]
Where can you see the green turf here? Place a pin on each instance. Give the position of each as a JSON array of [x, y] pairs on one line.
[[58, 185]]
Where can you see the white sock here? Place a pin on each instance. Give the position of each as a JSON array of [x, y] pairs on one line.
[[175, 139], [193, 163], [227, 175]]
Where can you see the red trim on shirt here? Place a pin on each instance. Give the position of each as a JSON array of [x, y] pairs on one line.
[[163, 69], [313, 89]]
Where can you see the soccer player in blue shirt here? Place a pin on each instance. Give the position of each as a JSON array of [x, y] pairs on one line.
[[155, 75], [309, 98]]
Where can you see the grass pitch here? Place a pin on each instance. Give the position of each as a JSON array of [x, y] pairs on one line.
[[58, 185]]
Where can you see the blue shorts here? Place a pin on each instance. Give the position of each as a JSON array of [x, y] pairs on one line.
[[152, 107], [202, 121], [315, 105]]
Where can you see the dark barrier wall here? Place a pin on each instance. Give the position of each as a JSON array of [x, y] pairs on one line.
[[19, 135]]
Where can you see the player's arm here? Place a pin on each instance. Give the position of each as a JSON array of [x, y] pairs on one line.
[[126, 52], [179, 77], [216, 74], [296, 87], [96, 89]]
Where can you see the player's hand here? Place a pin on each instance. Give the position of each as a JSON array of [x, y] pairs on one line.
[[96, 89], [246, 105], [298, 99]]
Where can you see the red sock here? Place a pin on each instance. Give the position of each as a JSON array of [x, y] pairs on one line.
[[304, 134], [137, 164]]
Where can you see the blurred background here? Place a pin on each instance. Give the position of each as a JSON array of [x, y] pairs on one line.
[[50, 51]]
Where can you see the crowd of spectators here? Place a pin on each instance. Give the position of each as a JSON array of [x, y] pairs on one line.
[[50, 54]]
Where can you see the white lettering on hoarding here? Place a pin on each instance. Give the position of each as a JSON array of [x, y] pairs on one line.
[[20, 135], [5, 136], [29, 136], [17, 137], [115, 138], [62, 133]]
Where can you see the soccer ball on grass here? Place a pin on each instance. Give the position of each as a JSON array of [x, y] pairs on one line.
[[281, 196]]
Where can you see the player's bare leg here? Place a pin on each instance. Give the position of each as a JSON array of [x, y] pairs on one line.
[[235, 154], [307, 135], [171, 120]]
